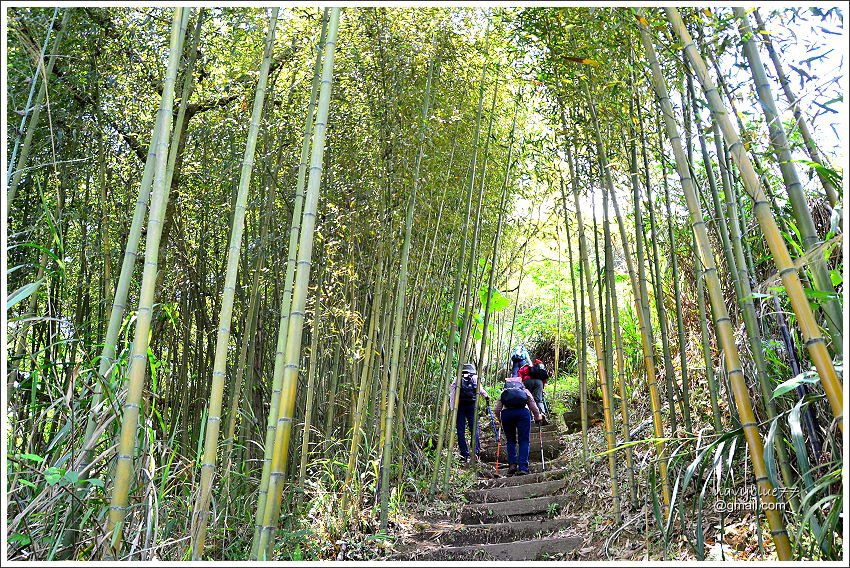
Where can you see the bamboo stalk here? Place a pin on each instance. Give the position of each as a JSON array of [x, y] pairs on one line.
[[16, 168], [123, 475], [809, 140], [597, 343], [721, 317], [283, 430], [832, 308], [814, 341], [401, 289], [286, 305]]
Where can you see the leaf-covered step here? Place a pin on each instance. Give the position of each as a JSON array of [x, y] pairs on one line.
[[512, 493], [539, 549], [505, 510]]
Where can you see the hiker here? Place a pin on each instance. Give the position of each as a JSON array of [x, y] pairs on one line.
[[534, 379], [519, 358], [512, 412], [466, 409]]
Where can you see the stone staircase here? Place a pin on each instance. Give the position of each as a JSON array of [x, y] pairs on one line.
[[507, 518]]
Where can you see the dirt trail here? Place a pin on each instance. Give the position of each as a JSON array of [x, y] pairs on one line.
[[507, 518]]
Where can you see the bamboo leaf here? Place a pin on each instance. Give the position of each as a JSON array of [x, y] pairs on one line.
[[770, 453], [807, 377], [52, 475], [23, 293], [31, 457]]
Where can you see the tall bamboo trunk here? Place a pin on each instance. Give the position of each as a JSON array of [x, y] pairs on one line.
[[617, 352], [315, 330], [677, 297], [401, 289], [225, 317], [16, 168], [471, 285], [123, 475], [832, 308], [600, 355], [721, 317], [809, 140], [658, 288], [449, 414], [291, 367], [286, 304], [710, 378], [812, 337]]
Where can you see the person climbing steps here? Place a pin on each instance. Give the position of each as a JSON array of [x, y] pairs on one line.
[[534, 378], [466, 415], [514, 411]]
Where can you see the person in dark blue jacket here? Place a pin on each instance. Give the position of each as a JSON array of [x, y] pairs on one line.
[[514, 410], [466, 409]]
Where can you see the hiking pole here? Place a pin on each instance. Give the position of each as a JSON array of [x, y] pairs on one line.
[[542, 457], [492, 420], [498, 447], [497, 434]]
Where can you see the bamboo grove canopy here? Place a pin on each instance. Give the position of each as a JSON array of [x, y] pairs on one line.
[[249, 249]]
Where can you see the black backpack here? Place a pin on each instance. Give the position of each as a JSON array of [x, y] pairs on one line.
[[468, 387], [538, 371], [513, 395]]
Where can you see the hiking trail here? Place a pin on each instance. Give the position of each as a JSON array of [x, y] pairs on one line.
[[523, 517]]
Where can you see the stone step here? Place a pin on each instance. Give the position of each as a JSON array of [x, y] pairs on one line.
[[514, 492], [539, 549], [535, 477], [488, 430], [503, 532], [505, 510], [535, 439], [551, 450]]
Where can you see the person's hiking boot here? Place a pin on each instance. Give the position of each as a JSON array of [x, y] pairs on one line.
[[464, 460], [522, 472], [544, 420], [512, 469]]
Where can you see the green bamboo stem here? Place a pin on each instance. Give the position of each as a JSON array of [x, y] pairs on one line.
[[658, 289], [597, 343], [283, 430], [710, 378], [677, 296], [812, 337], [315, 330], [811, 146], [401, 289], [832, 308], [446, 416], [123, 475], [16, 169], [225, 317], [285, 308], [722, 322], [616, 358]]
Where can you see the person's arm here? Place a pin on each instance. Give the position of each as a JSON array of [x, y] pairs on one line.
[[533, 406]]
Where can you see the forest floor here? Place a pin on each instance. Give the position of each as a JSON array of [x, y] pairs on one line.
[[562, 512]]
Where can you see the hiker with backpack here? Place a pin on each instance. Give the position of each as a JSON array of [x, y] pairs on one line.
[[466, 408], [519, 358], [534, 379], [514, 411]]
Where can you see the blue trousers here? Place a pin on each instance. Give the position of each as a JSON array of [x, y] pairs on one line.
[[466, 418], [516, 424]]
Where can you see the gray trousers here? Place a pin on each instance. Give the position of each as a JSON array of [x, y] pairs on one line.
[[535, 386]]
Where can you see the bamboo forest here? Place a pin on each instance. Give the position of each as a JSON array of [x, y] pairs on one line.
[[424, 282]]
